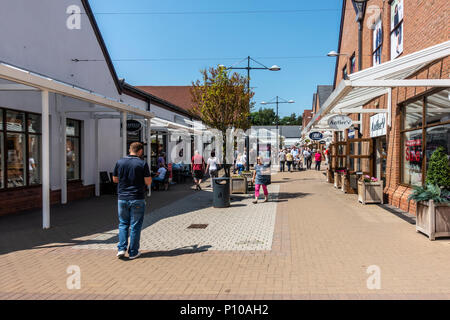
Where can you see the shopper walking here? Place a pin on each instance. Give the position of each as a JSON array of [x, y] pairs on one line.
[[305, 157], [212, 166], [240, 161], [198, 166], [289, 160], [261, 177], [282, 159], [318, 159], [132, 174]]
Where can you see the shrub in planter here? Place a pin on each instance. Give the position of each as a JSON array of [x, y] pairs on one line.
[[433, 200], [438, 170]]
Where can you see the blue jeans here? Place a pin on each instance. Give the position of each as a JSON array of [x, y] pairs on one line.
[[131, 215], [155, 179]]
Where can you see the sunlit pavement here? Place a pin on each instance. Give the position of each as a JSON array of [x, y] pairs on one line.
[[323, 245]]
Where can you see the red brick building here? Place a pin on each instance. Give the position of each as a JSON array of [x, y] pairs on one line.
[[402, 41]]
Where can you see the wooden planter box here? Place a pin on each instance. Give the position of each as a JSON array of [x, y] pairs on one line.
[[370, 192], [345, 184], [238, 185], [433, 219], [330, 176], [337, 180]]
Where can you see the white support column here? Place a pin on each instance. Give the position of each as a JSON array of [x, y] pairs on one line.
[[389, 107], [45, 161], [63, 166], [97, 159], [124, 134], [148, 136]]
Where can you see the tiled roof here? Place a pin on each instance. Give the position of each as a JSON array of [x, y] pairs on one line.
[[323, 92], [177, 95]]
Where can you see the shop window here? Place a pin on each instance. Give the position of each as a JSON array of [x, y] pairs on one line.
[[377, 43], [396, 28], [437, 136], [353, 63], [20, 149], [420, 138], [15, 121], [344, 73], [73, 153], [412, 157], [34, 159], [412, 115]]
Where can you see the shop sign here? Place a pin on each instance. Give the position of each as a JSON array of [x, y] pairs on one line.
[[378, 125], [322, 142], [316, 136], [133, 125], [340, 122]]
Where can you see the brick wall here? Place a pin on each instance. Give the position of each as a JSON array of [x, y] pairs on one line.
[[18, 200], [425, 24]]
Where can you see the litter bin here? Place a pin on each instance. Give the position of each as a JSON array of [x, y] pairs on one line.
[[221, 192]]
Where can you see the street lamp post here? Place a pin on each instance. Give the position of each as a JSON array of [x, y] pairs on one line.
[[277, 102], [248, 68]]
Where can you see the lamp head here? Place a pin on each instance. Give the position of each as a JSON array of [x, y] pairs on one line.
[[291, 101], [274, 68], [263, 102], [332, 54]]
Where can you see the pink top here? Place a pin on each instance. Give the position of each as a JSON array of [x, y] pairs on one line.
[[318, 157]]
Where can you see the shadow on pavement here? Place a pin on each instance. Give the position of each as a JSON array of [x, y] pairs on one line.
[[291, 195], [73, 223], [176, 252]]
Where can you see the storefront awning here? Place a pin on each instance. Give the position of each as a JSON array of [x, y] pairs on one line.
[[40, 82], [363, 86]]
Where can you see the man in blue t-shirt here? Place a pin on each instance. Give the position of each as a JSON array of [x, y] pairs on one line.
[[131, 174]]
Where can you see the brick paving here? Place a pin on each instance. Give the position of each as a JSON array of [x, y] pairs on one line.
[[323, 241], [226, 228]]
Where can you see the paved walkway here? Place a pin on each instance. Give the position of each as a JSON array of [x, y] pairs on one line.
[[322, 244]]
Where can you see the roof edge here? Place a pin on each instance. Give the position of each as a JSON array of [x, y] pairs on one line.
[[93, 21]]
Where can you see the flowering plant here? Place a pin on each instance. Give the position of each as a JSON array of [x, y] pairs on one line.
[[341, 171], [368, 178]]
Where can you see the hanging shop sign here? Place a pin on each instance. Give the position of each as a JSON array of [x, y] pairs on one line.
[[378, 125], [340, 122], [133, 125], [322, 142], [316, 136]]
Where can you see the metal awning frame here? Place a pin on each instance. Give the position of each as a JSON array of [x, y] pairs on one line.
[[368, 84]]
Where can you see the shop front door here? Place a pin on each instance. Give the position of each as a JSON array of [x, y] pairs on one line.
[[380, 158]]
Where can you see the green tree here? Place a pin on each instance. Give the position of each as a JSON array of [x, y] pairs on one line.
[[291, 120], [263, 117], [438, 172], [222, 101]]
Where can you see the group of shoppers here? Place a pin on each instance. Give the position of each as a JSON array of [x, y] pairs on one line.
[[296, 158], [290, 158], [308, 156]]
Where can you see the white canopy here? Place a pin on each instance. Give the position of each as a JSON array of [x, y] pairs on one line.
[[365, 85]]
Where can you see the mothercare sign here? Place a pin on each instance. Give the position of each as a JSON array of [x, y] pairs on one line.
[[340, 122], [378, 125]]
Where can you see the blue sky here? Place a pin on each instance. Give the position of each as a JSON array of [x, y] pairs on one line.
[[198, 41]]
